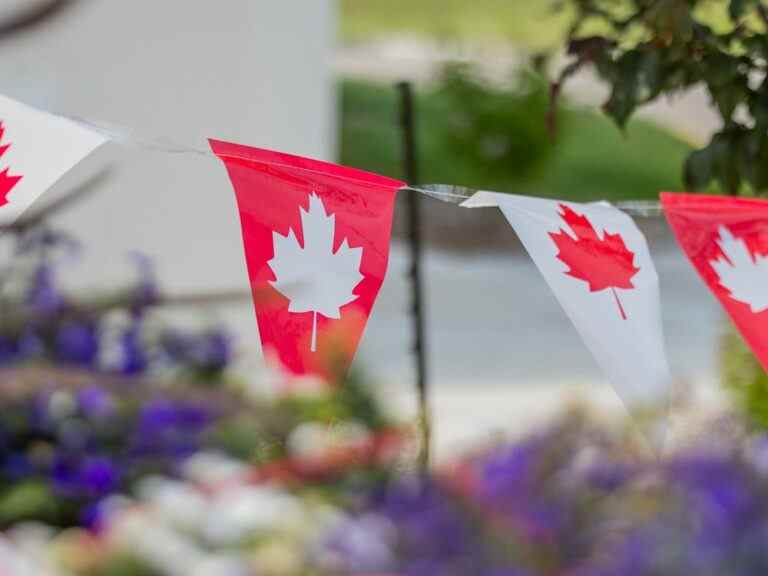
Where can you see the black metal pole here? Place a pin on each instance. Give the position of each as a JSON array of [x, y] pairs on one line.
[[410, 170]]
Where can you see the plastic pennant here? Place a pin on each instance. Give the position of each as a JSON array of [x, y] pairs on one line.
[[726, 240], [316, 239], [36, 149], [597, 263]]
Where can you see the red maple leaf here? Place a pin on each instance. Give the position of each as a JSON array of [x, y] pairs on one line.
[[602, 263], [7, 182]]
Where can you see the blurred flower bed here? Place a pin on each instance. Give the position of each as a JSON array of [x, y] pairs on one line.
[[566, 501], [126, 449], [108, 412]]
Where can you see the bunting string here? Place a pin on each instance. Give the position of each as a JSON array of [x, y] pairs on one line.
[[593, 255], [449, 193]]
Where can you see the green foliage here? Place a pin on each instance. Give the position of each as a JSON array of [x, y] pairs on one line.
[[590, 159], [469, 128], [125, 565], [495, 130], [648, 49], [529, 23], [745, 377], [349, 400], [31, 500]]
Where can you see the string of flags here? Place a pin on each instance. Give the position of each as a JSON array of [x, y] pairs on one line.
[[316, 237]]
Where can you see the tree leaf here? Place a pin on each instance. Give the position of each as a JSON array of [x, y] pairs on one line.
[[737, 9], [625, 95], [698, 169], [726, 161]]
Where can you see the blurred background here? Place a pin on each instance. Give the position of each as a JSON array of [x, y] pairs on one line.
[[318, 79], [143, 435]]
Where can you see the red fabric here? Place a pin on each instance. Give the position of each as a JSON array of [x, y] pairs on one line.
[[271, 187], [7, 180], [696, 221]]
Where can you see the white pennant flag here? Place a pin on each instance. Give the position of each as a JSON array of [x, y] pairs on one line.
[[36, 149], [597, 263]]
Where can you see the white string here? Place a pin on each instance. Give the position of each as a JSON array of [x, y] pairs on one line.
[[458, 194], [443, 192]]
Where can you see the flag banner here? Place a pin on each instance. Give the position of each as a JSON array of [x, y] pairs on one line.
[[726, 240], [36, 149], [316, 241], [598, 265]]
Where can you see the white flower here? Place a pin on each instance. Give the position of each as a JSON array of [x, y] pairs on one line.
[[315, 439], [358, 545], [238, 512], [221, 565], [25, 552], [212, 468], [180, 504]]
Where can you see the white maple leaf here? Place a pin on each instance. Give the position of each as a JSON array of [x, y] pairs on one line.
[[745, 276], [314, 277]]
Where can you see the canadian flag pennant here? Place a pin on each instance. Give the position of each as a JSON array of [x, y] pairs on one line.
[[36, 149], [316, 241], [598, 265], [726, 239]]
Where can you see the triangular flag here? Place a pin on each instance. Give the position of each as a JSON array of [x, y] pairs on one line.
[[316, 241], [726, 240], [36, 149], [598, 265]]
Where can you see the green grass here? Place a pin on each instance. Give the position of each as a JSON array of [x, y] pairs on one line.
[[591, 160], [532, 23]]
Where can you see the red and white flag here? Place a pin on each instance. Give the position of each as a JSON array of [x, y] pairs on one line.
[[316, 241], [36, 149], [598, 265], [726, 239]]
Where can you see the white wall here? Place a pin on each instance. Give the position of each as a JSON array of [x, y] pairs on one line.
[[255, 71]]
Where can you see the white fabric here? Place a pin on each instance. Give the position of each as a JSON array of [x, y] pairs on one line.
[[630, 351], [41, 149]]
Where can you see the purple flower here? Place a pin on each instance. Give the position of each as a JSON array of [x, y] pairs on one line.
[[99, 476], [17, 349], [212, 351], [77, 343], [430, 525], [95, 403], [31, 345], [608, 476], [719, 508], [9, 350], [40, 417], [146, 292], [133, 356], [209, 352], [719, 490], [360, 546], [516, 483], [634, 555], [43, 296], [92, 516], [91, 477], [171, 428], [16, 466]]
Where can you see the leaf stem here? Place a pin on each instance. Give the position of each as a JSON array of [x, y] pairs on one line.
[[314, 332], [618, 302]]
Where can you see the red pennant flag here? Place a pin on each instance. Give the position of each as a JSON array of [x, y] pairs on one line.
[[316, 241], [726, 239]]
